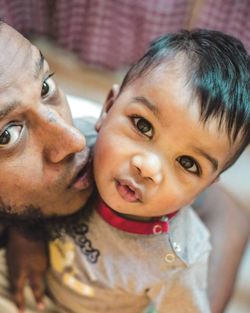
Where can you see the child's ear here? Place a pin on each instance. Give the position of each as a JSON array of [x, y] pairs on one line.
[[112, 95]]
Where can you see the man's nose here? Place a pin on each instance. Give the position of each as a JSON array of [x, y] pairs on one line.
[[61, 140], [148, 166]]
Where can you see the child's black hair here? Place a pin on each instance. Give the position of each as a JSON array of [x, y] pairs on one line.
[[218, 71]]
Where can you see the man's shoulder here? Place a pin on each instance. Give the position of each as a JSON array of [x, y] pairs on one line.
[[86, 125]]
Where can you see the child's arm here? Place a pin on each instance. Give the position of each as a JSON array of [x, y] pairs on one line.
[[27, 263], [229, 227]]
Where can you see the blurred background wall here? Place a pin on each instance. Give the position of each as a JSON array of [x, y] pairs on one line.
[[114, 33]]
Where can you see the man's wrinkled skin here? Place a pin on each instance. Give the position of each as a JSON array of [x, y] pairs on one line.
[[40, 152]]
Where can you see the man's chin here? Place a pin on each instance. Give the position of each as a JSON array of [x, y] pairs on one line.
[[37, 226]]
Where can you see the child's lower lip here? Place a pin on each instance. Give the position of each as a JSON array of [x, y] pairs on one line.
[[126, 193]]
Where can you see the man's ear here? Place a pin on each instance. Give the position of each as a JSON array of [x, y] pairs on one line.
[[112, 95]]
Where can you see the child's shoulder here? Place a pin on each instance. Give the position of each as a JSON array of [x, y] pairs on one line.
[[189, 237]]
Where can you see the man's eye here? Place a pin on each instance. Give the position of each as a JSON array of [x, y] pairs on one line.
[[48, 87], [189, 164], [10, 135], [143, 126]]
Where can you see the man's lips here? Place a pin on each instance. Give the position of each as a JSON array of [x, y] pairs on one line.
[[83, 178], [128, 190]]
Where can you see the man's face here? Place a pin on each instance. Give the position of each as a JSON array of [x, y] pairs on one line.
[[43, 159], [153, 155]]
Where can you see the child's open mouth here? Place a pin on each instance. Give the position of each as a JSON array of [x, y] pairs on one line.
[[127, 191]]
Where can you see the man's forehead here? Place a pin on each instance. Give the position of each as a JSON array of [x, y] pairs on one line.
[[15, 53], [20, 65]]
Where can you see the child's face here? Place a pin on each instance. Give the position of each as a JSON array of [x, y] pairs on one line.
[[153, 155]]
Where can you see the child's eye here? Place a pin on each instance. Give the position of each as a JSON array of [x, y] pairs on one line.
[[48, 87], [10, 135], [189, 164], [143, 126]]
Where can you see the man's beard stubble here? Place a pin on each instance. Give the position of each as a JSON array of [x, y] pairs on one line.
[[34, 225]]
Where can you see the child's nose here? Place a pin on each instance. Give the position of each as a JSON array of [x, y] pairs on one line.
[[148, 166]]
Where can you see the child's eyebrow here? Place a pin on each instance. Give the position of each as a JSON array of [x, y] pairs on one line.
[[206, 155], [151, 106], [39, 65]]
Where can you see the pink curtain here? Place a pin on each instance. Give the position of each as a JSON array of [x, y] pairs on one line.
[[27, 16], [113, 33], [230, 16]]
